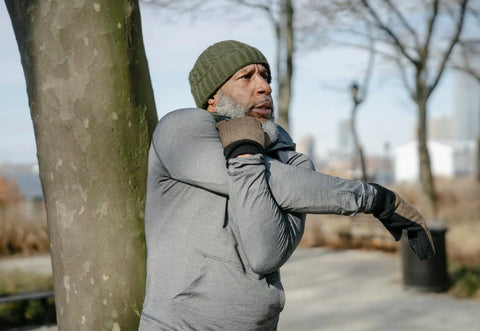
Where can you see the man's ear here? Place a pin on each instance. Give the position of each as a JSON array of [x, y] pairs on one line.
[[212, 103]]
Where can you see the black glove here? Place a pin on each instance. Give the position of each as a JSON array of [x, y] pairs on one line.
[[396, 215], [243, 135]]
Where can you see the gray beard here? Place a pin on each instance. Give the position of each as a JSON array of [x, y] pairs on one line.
[[229, 107]]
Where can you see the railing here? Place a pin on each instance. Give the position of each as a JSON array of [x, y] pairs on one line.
[[24, 298]]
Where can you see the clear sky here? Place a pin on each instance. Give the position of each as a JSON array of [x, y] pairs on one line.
[[320, 101]]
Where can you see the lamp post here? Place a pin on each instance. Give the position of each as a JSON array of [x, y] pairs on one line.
[[354, 92]]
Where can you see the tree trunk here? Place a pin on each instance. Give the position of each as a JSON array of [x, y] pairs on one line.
[[477, 170], [478, 158], [426, 177], [93, 112], [358, 156], [285, 76]]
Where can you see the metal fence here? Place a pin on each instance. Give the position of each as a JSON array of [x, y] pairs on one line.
[[25, 297]]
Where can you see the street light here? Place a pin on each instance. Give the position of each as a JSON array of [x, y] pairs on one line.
[[354, 92]]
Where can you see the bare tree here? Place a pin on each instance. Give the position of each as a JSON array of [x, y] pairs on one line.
[[416, 54], [93, 112], [280, 15], [411, 36], [359, 94]]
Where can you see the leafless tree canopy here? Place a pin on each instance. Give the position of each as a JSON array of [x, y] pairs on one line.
[[419, 37]]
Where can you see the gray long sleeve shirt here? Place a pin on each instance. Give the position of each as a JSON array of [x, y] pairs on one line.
[[217, 234]]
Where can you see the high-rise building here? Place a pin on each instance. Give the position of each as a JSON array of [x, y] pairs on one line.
[[306, 145], [467, 107], [441, 128], [345, 140]]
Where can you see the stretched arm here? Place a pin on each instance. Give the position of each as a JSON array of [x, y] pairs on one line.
[[187, 143], [268, 234], [317, 193]]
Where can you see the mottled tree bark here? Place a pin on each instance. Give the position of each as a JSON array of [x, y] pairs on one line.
[[426, 177], [285, 45], [93, 112]]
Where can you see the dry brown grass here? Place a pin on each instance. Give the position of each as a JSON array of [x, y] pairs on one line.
[[21, 232], [24, 237], [358, 232], [458, 199]]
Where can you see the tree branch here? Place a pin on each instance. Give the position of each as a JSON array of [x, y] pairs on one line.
[[367, 48], [403, 76], [253, 5], [177, 5], [431, 22], [371, 61], [404, 21], [389, 31], [453, 42], [467, 68]]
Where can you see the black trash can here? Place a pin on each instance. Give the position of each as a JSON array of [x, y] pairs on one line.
[[427, 275]]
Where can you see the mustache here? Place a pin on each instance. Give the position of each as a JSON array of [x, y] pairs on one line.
[[266, 101]]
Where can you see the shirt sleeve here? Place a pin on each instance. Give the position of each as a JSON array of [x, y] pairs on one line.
[[187, 143]]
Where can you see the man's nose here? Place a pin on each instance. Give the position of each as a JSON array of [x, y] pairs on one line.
[[263, 87]]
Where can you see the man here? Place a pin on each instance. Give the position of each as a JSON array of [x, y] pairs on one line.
[[226, 201]]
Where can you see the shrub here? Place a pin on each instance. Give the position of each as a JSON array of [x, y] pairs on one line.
[[465, 281], [23, 227], [27, 312]]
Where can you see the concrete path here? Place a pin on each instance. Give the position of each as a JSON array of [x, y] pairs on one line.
[[346, 290], [357, 290]]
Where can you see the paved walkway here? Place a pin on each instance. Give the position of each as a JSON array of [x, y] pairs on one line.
[[357, 290], [347, 290]]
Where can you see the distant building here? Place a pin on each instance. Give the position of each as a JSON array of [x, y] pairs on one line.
[[467, 107], [306, 146], [449, 158], [27, 178], [345, 139], [441, 128], [26, 203]]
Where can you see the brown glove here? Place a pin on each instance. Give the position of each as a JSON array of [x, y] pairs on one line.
[[397, 215], [243, 135]]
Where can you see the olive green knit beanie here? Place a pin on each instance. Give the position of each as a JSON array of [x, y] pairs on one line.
[[217, 64]]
